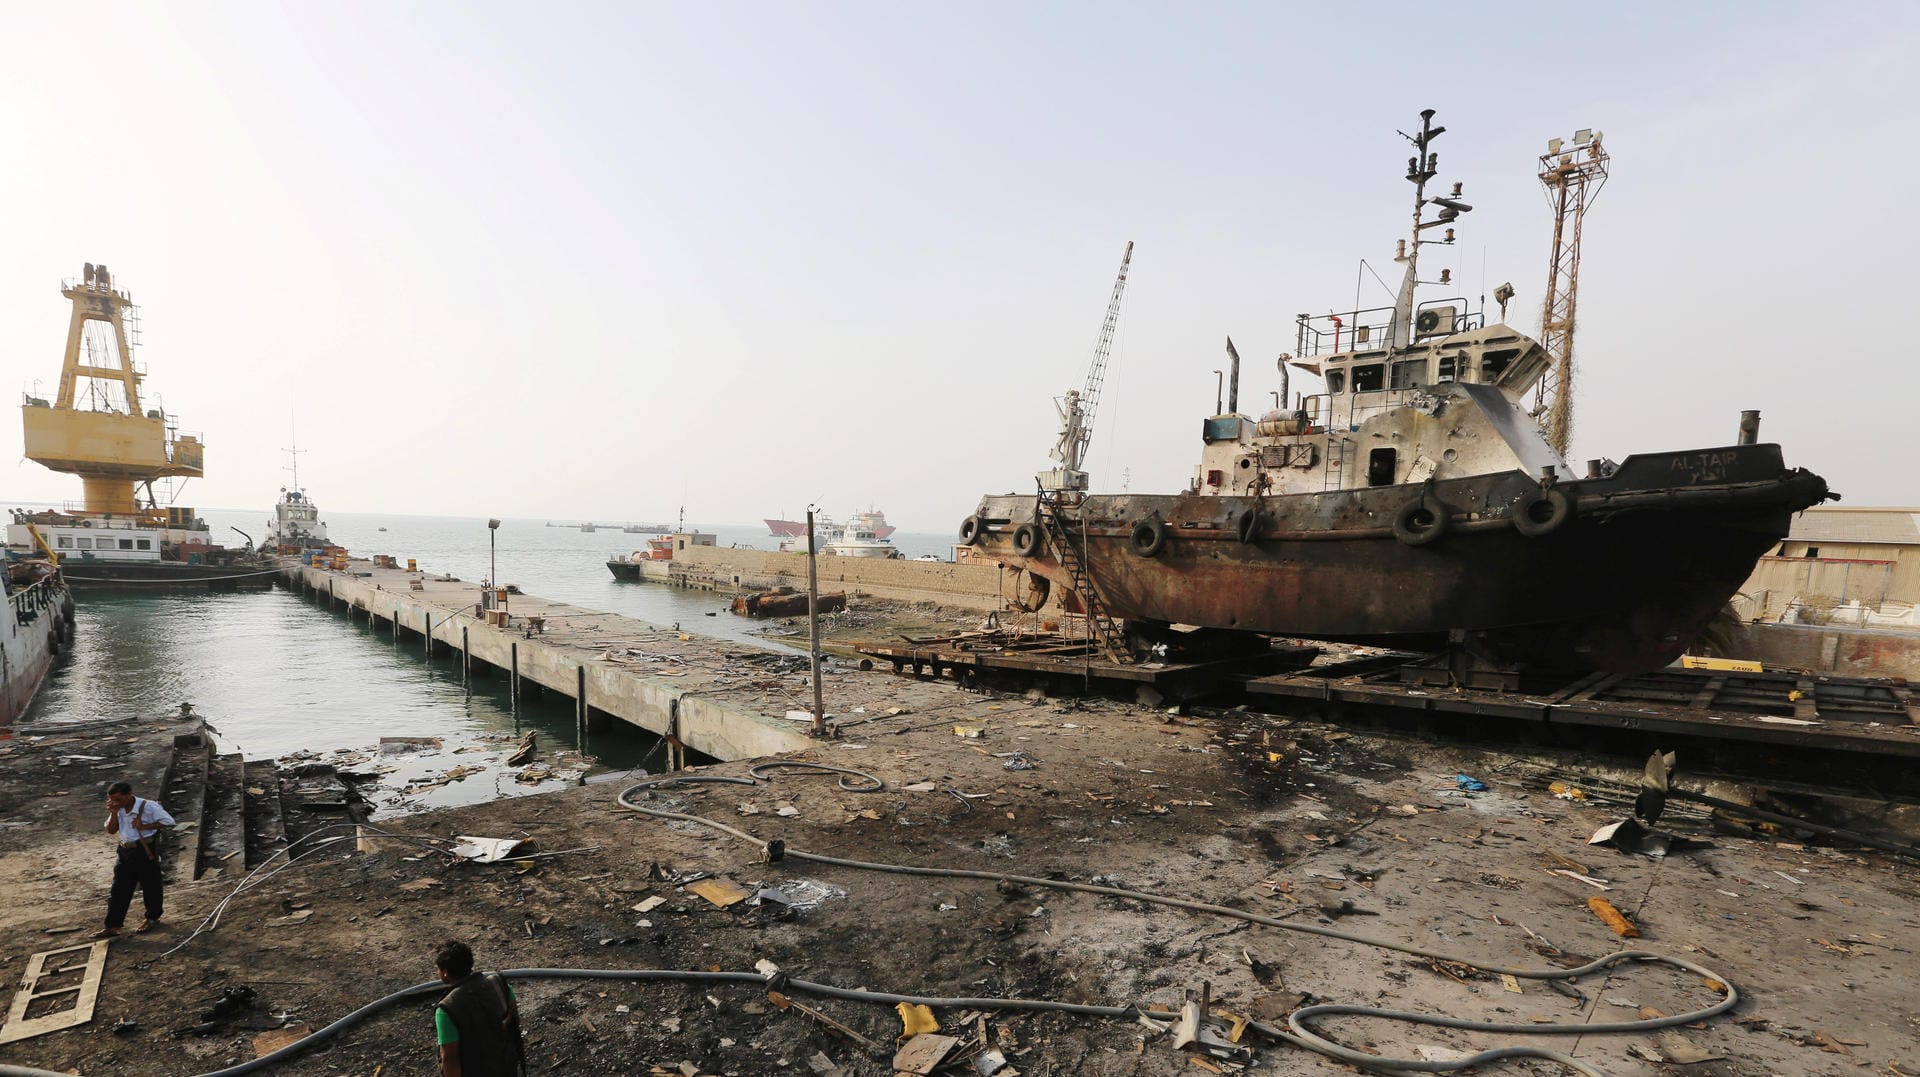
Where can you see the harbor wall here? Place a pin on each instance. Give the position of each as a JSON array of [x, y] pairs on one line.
[[976, 587], [1851, 652], [718, 727]]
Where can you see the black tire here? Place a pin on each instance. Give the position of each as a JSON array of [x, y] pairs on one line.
[[1417, 525], [1542, 512], [972, 530], [1027, 540], [1149, 537], [1249, 526]]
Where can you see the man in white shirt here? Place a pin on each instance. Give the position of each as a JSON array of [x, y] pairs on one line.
[[136, 823]]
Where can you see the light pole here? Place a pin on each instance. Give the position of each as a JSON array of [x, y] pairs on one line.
[[493, 567]]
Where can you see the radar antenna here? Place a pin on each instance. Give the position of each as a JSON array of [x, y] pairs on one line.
[[1077, 408]]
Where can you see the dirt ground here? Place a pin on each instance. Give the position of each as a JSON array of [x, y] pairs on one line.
[[1296, 819]]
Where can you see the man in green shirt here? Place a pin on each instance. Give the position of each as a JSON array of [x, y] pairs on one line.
[[477, 1024]]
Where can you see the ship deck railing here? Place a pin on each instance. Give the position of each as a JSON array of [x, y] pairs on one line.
[[1368, 329]]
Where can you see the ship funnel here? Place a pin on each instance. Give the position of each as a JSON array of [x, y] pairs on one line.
[[89, 276], [1233, 380], [1749, 427]]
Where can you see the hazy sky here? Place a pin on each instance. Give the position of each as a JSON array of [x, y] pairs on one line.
[[572, 260]]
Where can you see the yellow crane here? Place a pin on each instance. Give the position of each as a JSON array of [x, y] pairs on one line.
[[95, 427]]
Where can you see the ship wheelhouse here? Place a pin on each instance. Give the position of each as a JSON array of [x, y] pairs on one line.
[[1439, 405]]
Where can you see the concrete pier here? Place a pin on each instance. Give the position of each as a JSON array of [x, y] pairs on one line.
[[718, 698]]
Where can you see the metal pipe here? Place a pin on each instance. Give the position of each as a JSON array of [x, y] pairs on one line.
[[1233, 383], [1749, 427], [813, 627]]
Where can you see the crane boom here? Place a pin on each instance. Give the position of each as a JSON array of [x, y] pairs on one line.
[[1078, 407]]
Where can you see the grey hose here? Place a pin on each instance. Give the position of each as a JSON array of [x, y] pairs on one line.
[[1300, 1034]]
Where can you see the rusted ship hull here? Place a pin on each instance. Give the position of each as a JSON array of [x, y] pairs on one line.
[[1619, 574], [38, 622]]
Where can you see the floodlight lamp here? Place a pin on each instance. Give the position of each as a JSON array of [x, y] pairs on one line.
[[1554, 144], [493, 525], [1583, 136]]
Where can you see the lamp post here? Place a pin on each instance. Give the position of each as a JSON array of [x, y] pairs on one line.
[[493, 567]]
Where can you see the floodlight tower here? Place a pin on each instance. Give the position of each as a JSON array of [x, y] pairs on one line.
[[1572, 177]]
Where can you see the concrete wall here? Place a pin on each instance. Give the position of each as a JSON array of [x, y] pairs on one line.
[[1871, 574], [1852, 652], [978, 587]]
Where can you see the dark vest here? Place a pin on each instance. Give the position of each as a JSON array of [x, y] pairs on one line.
[[489, 1047]]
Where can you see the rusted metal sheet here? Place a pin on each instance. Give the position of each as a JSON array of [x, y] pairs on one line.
[[784, 604]]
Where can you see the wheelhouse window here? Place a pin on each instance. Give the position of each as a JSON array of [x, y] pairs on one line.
[[126, 544], [144, 544], [65, 542], [1409, 374], [1447, 370], [1370, 378], [1336, 382], [1493, 364], [84, 543]]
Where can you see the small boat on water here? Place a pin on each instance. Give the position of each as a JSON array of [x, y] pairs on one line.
[[856, 541], [296, 523], [651, 561]]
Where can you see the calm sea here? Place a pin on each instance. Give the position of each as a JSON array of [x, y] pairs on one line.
[[276, 674]]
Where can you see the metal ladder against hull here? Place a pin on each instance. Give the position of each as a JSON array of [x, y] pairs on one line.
[[1107, 633]]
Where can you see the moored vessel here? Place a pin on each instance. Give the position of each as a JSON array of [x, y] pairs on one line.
[[1414, 503], [98, 429], [36, 624]]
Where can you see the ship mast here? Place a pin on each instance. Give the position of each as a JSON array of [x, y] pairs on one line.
[[1422, 167]]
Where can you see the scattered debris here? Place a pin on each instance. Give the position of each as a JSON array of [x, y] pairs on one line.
[[485, 850], [719, 891], [57, 969], [923, 1053], [1612, 917]]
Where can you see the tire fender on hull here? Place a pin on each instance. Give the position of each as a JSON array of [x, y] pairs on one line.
[[1149, 537], [1542, 512], [1418, 524]]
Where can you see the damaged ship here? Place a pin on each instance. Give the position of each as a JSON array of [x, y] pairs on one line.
[[1413, 504]]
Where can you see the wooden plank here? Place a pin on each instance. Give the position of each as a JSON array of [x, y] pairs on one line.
[[20, 1027], [1703, 699], [1595, 688]]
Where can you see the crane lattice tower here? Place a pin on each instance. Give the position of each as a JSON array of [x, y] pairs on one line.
[[1571, 176]]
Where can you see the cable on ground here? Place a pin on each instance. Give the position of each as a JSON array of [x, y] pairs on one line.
[[1298, 1031]]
